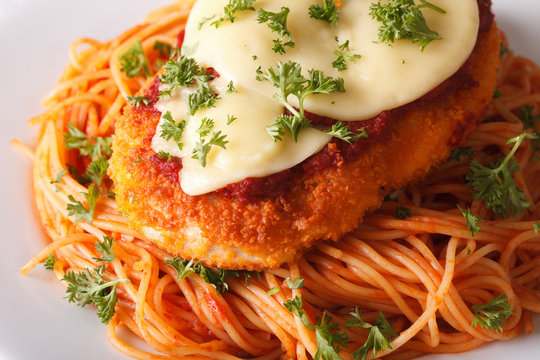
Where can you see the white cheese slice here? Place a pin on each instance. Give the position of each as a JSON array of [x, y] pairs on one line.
[[385, 77]]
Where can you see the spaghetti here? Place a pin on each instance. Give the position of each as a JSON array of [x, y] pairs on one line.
[[424, 272]]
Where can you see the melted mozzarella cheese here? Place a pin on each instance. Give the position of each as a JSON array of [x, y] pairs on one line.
[[385, 77]]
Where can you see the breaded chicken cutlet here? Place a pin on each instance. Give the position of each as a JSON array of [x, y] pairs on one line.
[[264, 222]]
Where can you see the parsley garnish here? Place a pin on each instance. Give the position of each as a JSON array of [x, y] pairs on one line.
[[273, 291], [402, 19], [492, 315], [97, 169], [79, 210], [139, 101], [134, 62], [536, 228], [527, 118], [341, 131], [230, 10], [495, 184], [277, 22], [230, 119], [59, 179], [50, 260], [379, 334], [458, 152], [88, 287], [472, 220], [327, 12], [94, 147], [106, 248], [171, 130], [185, 71], [183, 268], [164, 155], [206, 127], [288, 79], [230, 88], [202, 147], [214, 276], [297, 283], [296, 307], [165, 49], [402, 213], [344, 56]]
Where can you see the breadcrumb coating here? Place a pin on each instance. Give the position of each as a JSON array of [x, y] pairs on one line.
[[230, 233]]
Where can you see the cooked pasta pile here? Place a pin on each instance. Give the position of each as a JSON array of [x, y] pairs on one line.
[[423, 269]]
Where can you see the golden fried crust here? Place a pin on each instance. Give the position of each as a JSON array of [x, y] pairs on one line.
[[228, 233]]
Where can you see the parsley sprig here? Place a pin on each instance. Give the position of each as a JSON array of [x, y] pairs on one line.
[[133, 62], [495, 184], [402, 19], [50, 260], [171, 130], [184, 72], [341, 131], [231, 9], [472, 220], [106, 249], [277, 22], [380, 333], [89, 286], [493, 314], [288, 79], [214, 276], [327, 12], [344, 56], [79, 210]]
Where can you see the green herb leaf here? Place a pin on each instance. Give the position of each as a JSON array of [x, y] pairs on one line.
[[139, 101], [277, 22], [171, 130], [472, 220], [458, 152], [97, 169], [134, 62], [273, 291], [230, 88], [330, 342], [495, 184], [492, 315], [164, 155], [402, 213], [379, 334], [165, 49], [79, 210], [50, 260], [232, 8], [202, 148], [231, 119], [296, 307], [183, 268], [344, 56], [95, 147], [536, 228], [106, 248], [341, 131], [402, 19], [88, 287], [327, 12], [206, 127], [297, 283]]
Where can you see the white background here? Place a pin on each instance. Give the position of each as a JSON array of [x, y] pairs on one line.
[[35, 321]]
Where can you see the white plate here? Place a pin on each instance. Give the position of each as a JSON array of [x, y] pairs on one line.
[[35, 321]]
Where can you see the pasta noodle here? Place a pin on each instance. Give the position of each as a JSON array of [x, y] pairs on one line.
[[423, 272]]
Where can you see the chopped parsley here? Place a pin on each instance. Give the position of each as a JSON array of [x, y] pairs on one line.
[[202, 147], [327, 12], [231, 119], [379, 334], [93, 146], [402, 213], [171, 130], [134, 62], [214, 276], [495, 185], [288, 79], [472, 220], [164, 49], [139, 101], [297, 283], [536, 228], [493, 314], [231, 9], [183, 72], [97, 169], [402, 19], [79, 210], [460, 151], [344, 56], [86, 287], [341, 131], [277, 22], [230, 88], [50, 260], [273, 291], [106, 248], [164, 155]]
